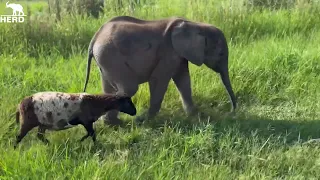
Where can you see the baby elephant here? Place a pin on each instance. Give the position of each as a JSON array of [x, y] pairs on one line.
[[57, 111]]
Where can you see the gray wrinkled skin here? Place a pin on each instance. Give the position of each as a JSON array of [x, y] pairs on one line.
[[130, 51]]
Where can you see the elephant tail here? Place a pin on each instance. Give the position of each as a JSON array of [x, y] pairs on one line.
[[90, 55]]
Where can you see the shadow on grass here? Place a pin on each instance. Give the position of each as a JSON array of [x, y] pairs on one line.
[[288, 132], [244, 122]]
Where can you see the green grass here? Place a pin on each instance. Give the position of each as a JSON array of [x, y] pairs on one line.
[[274, 69]]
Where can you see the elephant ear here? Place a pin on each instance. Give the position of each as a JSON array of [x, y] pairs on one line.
[[189, 43]]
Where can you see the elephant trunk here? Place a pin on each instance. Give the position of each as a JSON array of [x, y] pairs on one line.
[[224, 75], [222, 69]]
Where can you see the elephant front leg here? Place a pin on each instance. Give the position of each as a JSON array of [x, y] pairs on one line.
[[183, 84], [157, 88]]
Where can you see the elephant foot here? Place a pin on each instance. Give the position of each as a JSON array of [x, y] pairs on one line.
[[191, 111], [140, 119], [231, 114], [144, 117], [114, 122], [196, 115]]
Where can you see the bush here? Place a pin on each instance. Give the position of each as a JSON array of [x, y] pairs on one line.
[[275, 4], [76, 7]]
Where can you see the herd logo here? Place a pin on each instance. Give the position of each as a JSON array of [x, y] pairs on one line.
[[17, 15]]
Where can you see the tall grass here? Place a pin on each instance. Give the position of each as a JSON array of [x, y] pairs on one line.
[[274, 67], [240, 23]]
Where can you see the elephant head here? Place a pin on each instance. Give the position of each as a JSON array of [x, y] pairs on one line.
[[200, 44]]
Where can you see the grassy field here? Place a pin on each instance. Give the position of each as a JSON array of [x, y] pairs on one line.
[[274, 67]]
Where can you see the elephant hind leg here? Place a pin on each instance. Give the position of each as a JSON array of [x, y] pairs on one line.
[[111, 117], [129, 88]]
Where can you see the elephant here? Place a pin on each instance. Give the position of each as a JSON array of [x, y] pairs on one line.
[[131, 51], [15, 8]]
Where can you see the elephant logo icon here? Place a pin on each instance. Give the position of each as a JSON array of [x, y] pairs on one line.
[[15, 8], [17, 15]]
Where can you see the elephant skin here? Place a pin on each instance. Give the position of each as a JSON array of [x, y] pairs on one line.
[[130, 51]]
